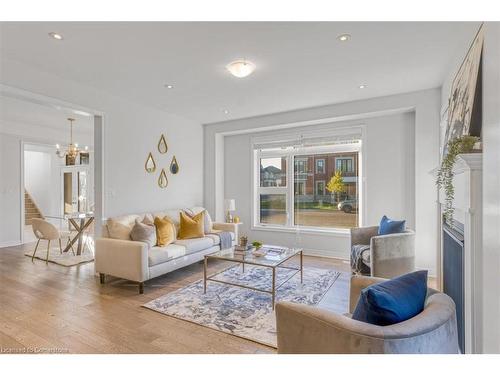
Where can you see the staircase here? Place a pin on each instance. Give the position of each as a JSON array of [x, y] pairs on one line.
[[31, 210]]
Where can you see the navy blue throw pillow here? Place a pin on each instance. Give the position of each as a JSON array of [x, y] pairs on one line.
[[392, 301], [389, 226]]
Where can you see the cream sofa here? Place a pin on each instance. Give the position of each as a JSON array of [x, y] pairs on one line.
[[310, 329], [136, 261]]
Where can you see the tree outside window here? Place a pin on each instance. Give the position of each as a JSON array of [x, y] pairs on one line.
[[336, 186]]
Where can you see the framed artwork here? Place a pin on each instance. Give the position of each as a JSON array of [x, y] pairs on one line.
[[464, 109], [84, 158]]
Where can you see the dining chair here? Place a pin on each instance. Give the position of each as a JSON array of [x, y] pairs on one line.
[[44, 230]]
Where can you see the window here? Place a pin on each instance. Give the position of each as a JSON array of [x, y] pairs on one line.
[[301, 167], [320, 187], [273, 172], [302, 197], [344, 164], [300, 188], [273, 190], [320, 166]]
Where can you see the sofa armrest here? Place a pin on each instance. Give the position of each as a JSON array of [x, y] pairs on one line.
[[122, 258], [362, 236], [358, 283], [308, 329], [392, 254], [228, 227]]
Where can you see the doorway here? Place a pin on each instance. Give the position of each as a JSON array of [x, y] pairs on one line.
[[48, 186]]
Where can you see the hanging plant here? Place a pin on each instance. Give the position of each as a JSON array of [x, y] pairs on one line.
[[456, 146]]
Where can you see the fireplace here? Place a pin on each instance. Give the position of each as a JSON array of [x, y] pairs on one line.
[[460, 267], [453, 273]]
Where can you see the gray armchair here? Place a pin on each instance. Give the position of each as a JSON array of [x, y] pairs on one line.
[[390, 255], [309, 329]]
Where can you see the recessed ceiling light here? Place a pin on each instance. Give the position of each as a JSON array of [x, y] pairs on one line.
[[56, 36], [344, 37], [225, 111], [169, 86], [241, 68], [362, 86]]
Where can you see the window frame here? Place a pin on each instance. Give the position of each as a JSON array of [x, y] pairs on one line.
[[347, 158], [324, 166], [289, 191], [316, 187]]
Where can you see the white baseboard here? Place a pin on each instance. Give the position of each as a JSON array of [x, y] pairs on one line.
[[10, 243], [346, 256], [327, 253]]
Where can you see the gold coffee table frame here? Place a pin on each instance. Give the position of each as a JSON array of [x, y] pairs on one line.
[[236, 258]]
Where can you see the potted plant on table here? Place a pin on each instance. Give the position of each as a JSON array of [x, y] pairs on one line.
[[456, 146]]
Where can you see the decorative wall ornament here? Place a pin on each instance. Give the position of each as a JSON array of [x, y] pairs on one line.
[[162, 145], [150, 164], [464, 111], [174, 166], [162, 180]]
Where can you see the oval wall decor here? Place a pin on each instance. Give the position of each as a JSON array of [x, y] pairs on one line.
[[162, 145], [162, 180], [174, 166], [150, 164]]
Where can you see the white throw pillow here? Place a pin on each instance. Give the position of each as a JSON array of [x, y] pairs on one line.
[[120, 227], [208, 224]]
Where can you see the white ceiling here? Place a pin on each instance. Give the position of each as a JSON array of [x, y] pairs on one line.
[[18, 111], [299, 64]]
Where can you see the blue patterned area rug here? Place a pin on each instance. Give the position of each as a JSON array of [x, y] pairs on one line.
[[243, 312]]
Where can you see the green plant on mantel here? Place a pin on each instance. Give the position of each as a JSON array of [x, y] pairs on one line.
[[456, 146]]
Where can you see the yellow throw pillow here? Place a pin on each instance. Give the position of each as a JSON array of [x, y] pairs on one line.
[[165, 231], [192, 227]]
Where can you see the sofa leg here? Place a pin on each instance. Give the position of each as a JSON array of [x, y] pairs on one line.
[[102, 278], [141, 288]]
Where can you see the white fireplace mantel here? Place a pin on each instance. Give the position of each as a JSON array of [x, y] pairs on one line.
[[467, 204]]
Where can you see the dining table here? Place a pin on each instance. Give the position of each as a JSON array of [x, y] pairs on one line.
[[80, 221]]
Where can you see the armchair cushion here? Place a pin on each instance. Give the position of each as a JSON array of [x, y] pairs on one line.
[[392, 301], [389, 226]]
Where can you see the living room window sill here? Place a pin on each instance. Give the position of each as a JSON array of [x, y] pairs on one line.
[[335, 232]]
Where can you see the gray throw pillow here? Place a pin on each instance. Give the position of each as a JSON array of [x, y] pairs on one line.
[[144, 233]]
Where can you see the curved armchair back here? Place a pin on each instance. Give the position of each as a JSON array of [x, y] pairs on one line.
[[44, 230], [309, 329]]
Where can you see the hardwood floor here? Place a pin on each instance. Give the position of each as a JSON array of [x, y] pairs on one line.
[[51, 308]]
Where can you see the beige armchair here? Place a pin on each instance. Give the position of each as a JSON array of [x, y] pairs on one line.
[[44, 230], [390, 255], [309, 329]]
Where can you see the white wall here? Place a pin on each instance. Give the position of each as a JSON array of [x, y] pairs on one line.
[[491, 188], [389, 185], [425, 104], [10, 184], [131, 131]]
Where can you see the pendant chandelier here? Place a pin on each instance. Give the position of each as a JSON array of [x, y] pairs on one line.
[[72, 150]]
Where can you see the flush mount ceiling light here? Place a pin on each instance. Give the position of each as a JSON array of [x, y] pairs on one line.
[[241, 68], [362, 86], [169, 86], [344, 37], [225, 111], [56, 36]]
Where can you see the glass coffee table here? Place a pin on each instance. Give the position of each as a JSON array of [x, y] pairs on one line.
[[271, 259]]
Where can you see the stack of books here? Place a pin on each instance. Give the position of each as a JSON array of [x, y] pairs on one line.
[[243, 249], [274, 250]]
